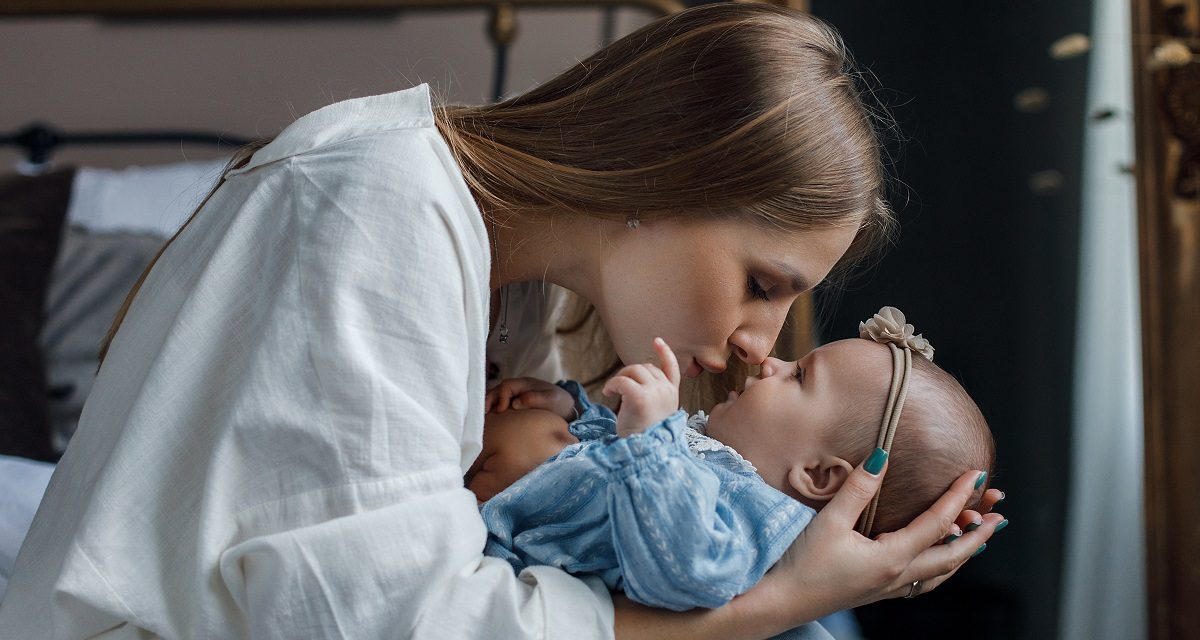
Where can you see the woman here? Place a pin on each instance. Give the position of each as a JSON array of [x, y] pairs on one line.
[[276, 440]]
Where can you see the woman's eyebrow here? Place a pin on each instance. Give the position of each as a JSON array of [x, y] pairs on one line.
[[800, 284]]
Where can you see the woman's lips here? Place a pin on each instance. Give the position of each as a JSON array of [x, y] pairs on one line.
[[697, 368]]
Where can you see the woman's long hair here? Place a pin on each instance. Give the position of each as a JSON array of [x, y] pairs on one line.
[[745, 111]]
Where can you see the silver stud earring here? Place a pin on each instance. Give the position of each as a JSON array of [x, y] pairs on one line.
[[632, 221]]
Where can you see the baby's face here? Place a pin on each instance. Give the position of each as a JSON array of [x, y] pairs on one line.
[[782, 416]]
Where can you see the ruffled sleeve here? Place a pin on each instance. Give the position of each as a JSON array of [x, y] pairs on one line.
[[595, 420], [687, 534]]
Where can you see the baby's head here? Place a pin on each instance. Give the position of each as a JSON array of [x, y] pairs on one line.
[[806, 424]]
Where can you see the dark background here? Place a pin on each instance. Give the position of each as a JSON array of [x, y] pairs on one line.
[[985, 268]]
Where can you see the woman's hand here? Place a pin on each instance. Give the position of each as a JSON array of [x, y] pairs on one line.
[[530, 393], [831, 567], [969, 519], [649, 393]]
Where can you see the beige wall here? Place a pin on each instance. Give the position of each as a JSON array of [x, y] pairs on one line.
[[252, 77]]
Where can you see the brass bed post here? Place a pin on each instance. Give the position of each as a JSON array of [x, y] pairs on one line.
[[797, 336]]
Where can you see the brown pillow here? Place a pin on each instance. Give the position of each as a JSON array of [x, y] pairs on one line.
[[32, 210]]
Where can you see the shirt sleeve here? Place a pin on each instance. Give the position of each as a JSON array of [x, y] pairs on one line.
[[685, 534], [595, 420], [376, 536]]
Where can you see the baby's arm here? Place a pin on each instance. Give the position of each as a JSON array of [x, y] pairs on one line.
[[687, 535]]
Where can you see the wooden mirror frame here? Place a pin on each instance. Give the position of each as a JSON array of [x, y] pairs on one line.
[[1167, 117]]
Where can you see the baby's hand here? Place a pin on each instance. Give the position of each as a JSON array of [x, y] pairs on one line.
[[530, 393], [648, 393]]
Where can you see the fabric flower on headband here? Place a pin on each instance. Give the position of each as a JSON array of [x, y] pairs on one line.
[[888, 326]]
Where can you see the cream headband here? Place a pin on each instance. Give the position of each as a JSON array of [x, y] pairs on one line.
[[888, 327]]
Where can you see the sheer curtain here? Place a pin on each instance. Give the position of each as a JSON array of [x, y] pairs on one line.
[[1104, 575]]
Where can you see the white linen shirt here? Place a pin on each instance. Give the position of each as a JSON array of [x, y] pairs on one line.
[[276, 442]]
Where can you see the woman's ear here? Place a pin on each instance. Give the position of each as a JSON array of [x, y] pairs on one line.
[[819, 479]]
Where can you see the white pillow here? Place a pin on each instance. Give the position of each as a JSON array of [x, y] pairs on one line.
[[22, 483], [152, 200]]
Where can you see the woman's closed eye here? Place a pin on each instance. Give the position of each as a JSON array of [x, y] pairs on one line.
[[756, 289], [799, 374]]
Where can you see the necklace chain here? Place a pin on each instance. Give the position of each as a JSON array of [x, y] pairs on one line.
[[503, 314], [503, 288]]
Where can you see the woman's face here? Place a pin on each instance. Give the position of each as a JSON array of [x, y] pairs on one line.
[[711, 288]]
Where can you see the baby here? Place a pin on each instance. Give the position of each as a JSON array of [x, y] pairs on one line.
[[682, 512]]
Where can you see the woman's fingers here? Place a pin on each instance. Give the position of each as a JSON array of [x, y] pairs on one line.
[[972, 518], [969, 519], [931, 526], [857, 491], [989, 500], [937, 563]]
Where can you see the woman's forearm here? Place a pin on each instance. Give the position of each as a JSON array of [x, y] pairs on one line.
[[758, 614]]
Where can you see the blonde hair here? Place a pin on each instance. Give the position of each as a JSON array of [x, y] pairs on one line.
[[748, 111], [941, 435]]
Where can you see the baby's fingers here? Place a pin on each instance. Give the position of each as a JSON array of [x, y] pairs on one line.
[[532, 400], [666, 357], [619, 385], [493, 397], [504, 398], [642, 373]]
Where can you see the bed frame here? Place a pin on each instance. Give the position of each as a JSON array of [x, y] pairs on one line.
[[39, 139]]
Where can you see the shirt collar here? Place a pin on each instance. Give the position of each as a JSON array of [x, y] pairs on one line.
[[340, 121]]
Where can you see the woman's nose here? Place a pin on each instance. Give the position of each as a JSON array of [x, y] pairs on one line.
[[751, 348]]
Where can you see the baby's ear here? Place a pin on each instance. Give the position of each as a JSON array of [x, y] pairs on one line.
[[819, 479]]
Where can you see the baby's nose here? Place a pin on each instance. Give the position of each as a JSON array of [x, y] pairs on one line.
[[772, 366]]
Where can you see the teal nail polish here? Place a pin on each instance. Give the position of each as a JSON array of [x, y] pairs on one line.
[[951, 538], [979, 550], [973, 526], [982, 477], [1003, 523], [875, 462]]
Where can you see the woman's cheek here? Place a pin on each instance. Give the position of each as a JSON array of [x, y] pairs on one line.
[[712, 318]]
